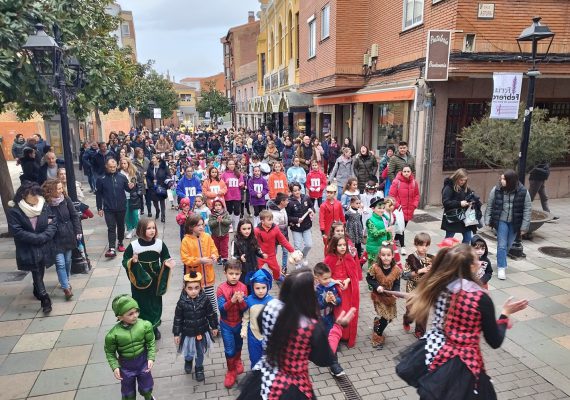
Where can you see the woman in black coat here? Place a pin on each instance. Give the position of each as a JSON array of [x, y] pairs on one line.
[[33, 227], [156, 177], [455, 197], [30, 166], [68, 230]]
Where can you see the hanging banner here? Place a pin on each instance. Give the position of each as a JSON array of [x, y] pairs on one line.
[[437, 55], [506, 95]]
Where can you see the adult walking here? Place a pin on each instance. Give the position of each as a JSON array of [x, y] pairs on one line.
[[18, 147], [447, 362], [401, 158], [455, 197], [508, 211], [134, 196], [156, 176], [30, 166], [365, 166], [111, 204], [68, 230], [306, 152], [406, 191], [342, 170], [142, 163], [301, 214], [537, 184], [99, 160], [33, 226]]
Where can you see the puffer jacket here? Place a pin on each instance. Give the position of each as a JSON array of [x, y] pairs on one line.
[[68, 225], [296, 209], [194, 317], [406, 192], [452, 200], [364, 169], [397, 163]]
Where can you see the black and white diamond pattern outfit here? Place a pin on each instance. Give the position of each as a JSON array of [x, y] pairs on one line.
[[435, 337]]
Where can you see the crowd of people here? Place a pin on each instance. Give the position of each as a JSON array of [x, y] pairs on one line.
[[269, 191]]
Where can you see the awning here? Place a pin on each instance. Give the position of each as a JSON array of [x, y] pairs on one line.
[[368, 95], [297, 102]]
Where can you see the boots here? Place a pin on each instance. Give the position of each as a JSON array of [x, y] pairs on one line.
[[188, 366], [46, 304], [239, 364], [377, 341], [199, 374], [230, 378]]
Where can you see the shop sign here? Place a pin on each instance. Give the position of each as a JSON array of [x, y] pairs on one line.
[[486, 11], [157, 113], [437, 55], [506, 95]]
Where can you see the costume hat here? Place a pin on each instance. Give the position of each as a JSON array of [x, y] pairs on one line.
[[123, 303]]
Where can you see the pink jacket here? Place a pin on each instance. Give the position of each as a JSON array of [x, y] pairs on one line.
[[233, 184], [406, 192]]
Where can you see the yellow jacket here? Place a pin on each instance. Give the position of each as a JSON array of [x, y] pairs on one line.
[[191, 249]]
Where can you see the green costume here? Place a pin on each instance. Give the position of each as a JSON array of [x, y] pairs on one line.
[[149, 276], [377, 234], [129, 341]]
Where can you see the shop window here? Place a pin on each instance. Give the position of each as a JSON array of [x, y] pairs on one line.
[[392, 125]]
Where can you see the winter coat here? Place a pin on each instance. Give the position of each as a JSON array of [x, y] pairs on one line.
[[451, 200], [540, 172], [259, 147], [397, 163], [364, 168], [514, 207], [485, 271], [111, 190], [99, 160], [306, 154], [191, 249], [193, 317], [34, 247], [342, 170], [161, 175], [18, 148], [288, 154], [142, 167], [68, 225], [406, 192], [334, 153], [296, 209], [87, 160], [329, 213], [30, 169], [220, 228], [255, 186]]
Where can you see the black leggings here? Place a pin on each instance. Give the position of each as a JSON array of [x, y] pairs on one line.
[[162, 203], [148, 202], [257, 210], [233, 207], [38, 280], [380, 325], [319, 201]]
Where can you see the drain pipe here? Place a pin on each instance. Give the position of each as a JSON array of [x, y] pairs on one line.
[[430, 112]]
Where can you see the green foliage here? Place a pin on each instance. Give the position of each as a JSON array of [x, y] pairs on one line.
[[496, 142], [214, 101]]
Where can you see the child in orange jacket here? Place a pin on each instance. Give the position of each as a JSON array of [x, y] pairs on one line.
[[277, 181], [268, 235]]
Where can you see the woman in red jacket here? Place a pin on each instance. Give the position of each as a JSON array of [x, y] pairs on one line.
[[406, 192]]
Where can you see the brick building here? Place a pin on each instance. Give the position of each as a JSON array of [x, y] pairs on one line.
[[201, 83], [364, 63], [240, 69]]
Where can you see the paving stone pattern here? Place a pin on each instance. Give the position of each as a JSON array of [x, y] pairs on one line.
[[61, 357]]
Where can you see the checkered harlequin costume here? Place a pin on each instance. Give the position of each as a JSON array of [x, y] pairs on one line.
[[295, 367]]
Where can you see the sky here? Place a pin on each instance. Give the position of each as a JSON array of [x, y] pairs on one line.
[[183, 36]]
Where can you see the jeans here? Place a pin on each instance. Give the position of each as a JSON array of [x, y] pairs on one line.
[[63, 268], [467, 235], [284, 255], [339, 190], [92, 179], [505, 237], [115, 221], [303, 237], [199, 352]]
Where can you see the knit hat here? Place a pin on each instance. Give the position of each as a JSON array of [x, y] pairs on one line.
[[260, 276], [123, 303]]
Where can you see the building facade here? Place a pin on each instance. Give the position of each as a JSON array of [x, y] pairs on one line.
[[365, 64], [240, 70]]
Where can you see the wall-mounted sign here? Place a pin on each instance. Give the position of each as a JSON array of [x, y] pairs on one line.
[[486, 11], [506, 95], [157, 113], [437, 55]]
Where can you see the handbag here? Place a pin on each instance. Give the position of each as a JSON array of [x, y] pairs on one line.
[[470, 217], [400, 224], [160, 191], [454, 216]]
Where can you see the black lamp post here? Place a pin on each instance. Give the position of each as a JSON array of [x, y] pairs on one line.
[[48, 58], [151, 105], [533, 34]]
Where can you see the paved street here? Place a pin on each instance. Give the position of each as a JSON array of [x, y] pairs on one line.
[[61, 356]]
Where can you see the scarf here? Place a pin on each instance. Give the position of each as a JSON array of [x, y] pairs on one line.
[[32, 211], [57, 201]]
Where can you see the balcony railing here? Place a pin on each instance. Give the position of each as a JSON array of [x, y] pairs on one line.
[[276, 80]]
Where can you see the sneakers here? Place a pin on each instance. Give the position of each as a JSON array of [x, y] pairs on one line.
[[336, 370], [403, 250], [199, 374], [129, 234], [121, 248], [188, 366], [502, 273], [110, 253]]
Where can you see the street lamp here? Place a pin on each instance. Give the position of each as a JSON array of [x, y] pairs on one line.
[[533, 34], [48, 58]]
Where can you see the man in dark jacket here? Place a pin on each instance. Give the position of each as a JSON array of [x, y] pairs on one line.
[[536, 184], [111, 203], [49, 169], [88, 157], [399, 160], [99, 161], [259, 145]]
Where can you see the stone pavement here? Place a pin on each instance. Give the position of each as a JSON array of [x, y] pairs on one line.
[[61, 356]]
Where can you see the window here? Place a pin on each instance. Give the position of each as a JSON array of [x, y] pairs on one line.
[[312, 37], [263, 66], [469, 43], [413, 13], [325, 21], [125, 29]]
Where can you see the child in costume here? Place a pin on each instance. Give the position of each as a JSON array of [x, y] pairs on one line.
[[378, 229], [148, 264], [260, 282], [220, 222], [485, 271], [277, 181], [350, 190], [183, 215], [354, 227], [189, 186], [316, 183], [130, 349], [370, 191], [202, 210], [199, 254], [330, 211], [213, 186], [231, 303], [245, 248], [417, 265], [268, 235], [384, 274], [194, 316], [257, 187]]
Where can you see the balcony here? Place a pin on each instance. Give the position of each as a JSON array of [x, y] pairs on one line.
[[276, 80]]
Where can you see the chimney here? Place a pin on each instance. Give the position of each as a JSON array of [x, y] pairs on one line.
[[250, 17]]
